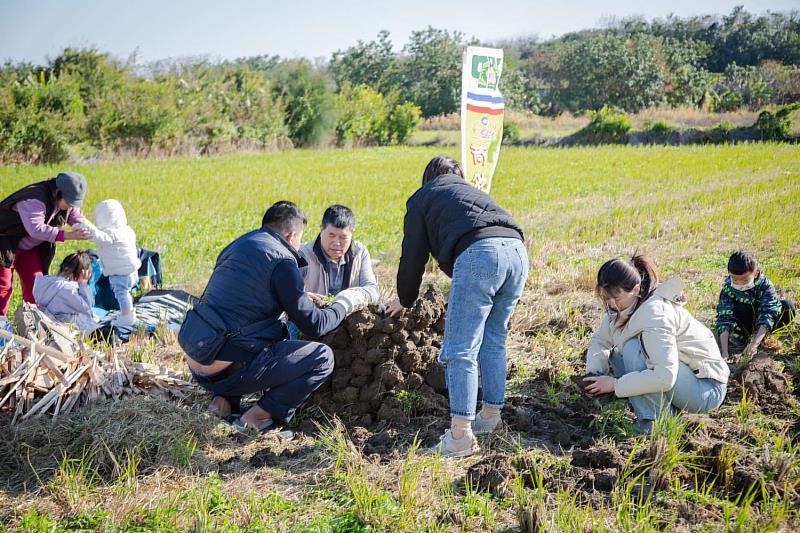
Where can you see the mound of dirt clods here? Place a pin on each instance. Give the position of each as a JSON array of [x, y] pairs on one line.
[[763, 382], [386, 368]]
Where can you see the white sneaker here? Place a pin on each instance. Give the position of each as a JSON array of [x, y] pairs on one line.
[[451, 447], [485, 425]]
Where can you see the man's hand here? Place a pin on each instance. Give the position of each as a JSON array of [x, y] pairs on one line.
[[599, 385], [394, 307], [80, 234], [318, 299]]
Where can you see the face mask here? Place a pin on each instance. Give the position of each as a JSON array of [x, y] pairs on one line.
[[745, 287]]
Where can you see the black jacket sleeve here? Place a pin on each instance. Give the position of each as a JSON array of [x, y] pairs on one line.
[[287, 284], [415, 253]]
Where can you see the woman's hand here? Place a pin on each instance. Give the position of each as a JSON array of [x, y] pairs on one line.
[[599, 385], [80, 234], [394, 307]]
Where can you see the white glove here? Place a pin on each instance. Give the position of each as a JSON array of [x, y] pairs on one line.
[[351, 300]]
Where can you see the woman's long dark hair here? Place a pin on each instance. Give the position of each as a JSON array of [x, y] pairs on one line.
[[440, 165], [620, 274]]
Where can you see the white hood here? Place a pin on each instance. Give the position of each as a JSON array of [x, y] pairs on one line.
[[109, 214]]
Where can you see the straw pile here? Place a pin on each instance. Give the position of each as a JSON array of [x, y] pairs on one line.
[[53, 372]]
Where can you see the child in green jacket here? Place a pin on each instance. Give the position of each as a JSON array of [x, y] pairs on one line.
[[748, 307]]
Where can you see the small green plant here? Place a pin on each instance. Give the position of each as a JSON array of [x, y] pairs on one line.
[[207, 501], [373, 505], [409, 400], [410, 472], [126, 466], [529, 503], [613, 421], [608, 125], [743, 410], [184, 449], [333, 442], [74, 479], [478, 504], [724, 126], [632, 501], [660, 127], [511, 132], [667, 449]]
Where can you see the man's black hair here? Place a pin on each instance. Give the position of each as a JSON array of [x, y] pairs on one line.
[[284, 217], [742, 262], [340, 217]]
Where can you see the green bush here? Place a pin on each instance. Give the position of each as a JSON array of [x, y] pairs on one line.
[[776, 126], [510, 132], [368, 118], [607, 125], [308, 101], [402, 122], [140, 116], [660, 127], [724, 126], [39, 118]]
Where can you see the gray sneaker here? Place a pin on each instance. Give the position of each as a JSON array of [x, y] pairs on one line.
[[485, 425], [451, 447]]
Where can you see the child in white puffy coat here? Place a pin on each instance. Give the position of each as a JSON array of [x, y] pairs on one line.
[[116, 246]]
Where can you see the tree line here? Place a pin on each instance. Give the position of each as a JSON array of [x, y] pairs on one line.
[[84, 101]]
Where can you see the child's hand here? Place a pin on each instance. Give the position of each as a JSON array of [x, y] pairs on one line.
[[750, 350]]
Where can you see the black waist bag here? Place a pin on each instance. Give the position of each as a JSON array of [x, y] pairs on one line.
[[204, 333]]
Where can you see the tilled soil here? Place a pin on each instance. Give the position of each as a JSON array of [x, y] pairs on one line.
[[386, 375], [388, 387], [763, 383]]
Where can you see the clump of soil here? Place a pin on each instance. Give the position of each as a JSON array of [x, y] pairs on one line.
[[386, 369], [493, 473], [764, 383]]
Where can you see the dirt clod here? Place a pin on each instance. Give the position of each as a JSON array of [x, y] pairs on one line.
[[493, 473]]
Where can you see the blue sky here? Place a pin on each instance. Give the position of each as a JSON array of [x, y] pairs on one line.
[[32, 30]]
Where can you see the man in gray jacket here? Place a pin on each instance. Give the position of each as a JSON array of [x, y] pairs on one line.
[[336, 262]]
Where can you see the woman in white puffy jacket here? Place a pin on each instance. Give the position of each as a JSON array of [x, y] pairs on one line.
[[651, 350], [116, 246]]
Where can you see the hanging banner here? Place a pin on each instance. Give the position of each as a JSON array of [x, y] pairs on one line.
[[482, 109]]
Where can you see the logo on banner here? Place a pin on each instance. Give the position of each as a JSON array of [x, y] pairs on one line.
[[486, 71]]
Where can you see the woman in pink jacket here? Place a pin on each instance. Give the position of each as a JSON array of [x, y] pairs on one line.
[[31, 223]]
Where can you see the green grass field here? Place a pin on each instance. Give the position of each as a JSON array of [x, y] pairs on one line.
[[687, 208], [682, 205]]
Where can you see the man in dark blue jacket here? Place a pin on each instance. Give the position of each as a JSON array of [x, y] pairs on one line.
[[479, 245], [235, 338]]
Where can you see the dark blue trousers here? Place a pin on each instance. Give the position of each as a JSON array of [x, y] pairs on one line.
[[287, 372]]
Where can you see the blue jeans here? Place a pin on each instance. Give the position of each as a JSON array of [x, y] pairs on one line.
[[488, 278], [690, 393], [121, 286]]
